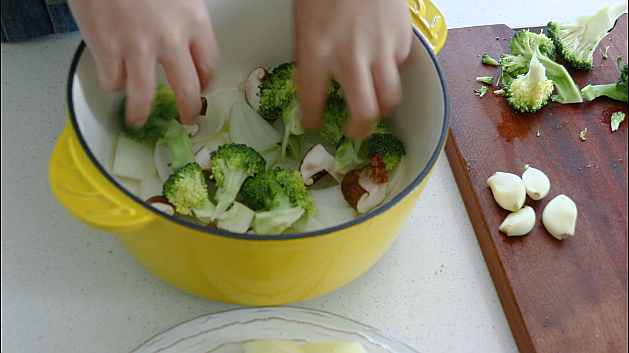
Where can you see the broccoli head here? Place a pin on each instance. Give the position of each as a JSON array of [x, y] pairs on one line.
[[526, 44], [617, 91], [390, 148], [231, 165], [277, 90], [530, 92], [577, 39], [512, 66], [187, 191], [162, 126], [335, 116], [280, 197]]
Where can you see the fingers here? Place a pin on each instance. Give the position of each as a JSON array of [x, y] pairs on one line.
[[386, 81], [140, 70], [360, 94], [111, 73], [182, 75], [204, 53], [312, 80]]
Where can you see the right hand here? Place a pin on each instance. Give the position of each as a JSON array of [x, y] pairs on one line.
[[127, 39]]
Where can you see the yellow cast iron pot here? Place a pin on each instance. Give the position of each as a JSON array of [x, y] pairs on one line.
[[242, 268]]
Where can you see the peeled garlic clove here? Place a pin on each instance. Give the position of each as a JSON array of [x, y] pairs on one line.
[[508, 190], [560, 217], [520, 222], [536, 183]]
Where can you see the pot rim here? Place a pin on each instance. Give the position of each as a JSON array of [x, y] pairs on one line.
[[215, 231]]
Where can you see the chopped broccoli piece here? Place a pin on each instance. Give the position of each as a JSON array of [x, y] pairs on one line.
[[481, 91], [292, 128], [485, 79], [577, 38], [231, 165], [512, 66], [162, 126], [280, 197], [277, 90], [335, 117], [187, 191], [488, 60], [616, 119], [526, 43], [605, 56], [618, 91], [530, 92], [390, 148], [382, 127], [582, 134]]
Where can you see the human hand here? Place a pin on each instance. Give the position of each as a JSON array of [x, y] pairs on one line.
[[361, 44], [128, 38]]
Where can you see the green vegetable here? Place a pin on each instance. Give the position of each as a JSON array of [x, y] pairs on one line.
[[485, 79], [511, 66], [481, 91], [187, 191], [280, 198], [605, 56], [277, 90], [525, 43], [231, 165], [335, 116], [162, 126], [530, 92], [346, 156], [488, 60], [390, 148], [293, 131], [616, 119], [618, 90], [582, 134], [577, 38]]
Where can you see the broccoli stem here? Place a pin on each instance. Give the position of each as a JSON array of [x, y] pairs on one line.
[[177, 140], [274, 222], [609, 90], [226, 194], [205, 211], [567, 90]]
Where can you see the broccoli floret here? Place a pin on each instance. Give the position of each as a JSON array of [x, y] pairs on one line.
[[231, 165], [279, 197], [382, 127], [530, 92], [485, 79], [186, 189], [616, 119], [481, 91], [162, 126], [293, 131], [511, 66], [391, 148], [346, 156], [617, 90], [277, 90], [526, 44], [335, 117], [577, 39], [488, 60]]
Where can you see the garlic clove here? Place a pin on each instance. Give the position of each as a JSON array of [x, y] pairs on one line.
[[536, 183], [508, 190], [560, 217], [520, 222]]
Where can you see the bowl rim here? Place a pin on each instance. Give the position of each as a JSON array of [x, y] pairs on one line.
[[220, 232]]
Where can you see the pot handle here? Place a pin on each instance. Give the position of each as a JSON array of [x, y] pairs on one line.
[[87, 193], [429, 21]]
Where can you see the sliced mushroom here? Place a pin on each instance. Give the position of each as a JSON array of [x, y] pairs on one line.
[[203, 106], [203, 157], [191, 129], [162, 204], [317, 162], [252, 87], [366, 188]]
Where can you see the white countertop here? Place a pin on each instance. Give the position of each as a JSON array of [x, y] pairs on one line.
[[69, 288]]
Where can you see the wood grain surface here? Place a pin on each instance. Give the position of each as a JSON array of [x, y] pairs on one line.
[[559, 296]]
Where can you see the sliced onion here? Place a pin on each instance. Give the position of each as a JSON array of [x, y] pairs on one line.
[[212, 122], [163, 158], [272, 156], [333, 209], [248, 127], [150, 186], [132, 159]]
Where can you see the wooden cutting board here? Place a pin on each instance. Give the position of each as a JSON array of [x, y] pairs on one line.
[[559, 296]]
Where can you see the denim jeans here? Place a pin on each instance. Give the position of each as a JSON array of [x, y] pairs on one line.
[[25, 19]]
